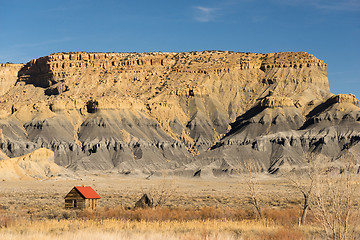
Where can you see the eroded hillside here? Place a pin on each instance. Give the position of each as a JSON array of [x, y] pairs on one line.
[[143, 112]]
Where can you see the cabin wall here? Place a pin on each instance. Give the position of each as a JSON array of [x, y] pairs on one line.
[[92, 203], [70, 203], [74, 200]]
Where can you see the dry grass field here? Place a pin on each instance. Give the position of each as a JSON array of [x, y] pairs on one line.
[[216, 208]]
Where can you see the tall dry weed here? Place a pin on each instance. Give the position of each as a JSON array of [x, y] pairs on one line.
[[167, 214], [282, 234], [283, 217], [6, 221]]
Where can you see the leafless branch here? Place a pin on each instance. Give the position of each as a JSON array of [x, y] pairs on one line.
[[253, 189]]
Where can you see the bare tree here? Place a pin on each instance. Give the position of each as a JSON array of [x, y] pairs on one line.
[[163, 191], [333, 202], [304, 182], [252, 184]]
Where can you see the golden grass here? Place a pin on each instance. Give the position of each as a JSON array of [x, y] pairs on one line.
[[163, 223], [126, 229], [198, 209]]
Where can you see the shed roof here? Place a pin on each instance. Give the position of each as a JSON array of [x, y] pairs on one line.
[[87, 192]]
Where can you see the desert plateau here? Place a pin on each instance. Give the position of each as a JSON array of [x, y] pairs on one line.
[[215, 144], [195, 113]]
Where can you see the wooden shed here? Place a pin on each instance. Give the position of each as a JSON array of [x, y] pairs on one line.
[[81, 197]]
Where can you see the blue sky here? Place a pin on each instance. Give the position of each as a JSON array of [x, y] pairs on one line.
[[328, 29]]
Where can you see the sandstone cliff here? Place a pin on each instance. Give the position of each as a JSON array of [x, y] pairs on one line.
[[8, 76], [33, 166], [132, 112]]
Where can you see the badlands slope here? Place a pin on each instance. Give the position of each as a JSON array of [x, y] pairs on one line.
[[36, 165], [194, 113]]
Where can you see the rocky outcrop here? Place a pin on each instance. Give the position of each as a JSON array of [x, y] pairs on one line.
[[8, 76], [280, 138], [35, 165], [344, 98], [276, 102], [149, 111]]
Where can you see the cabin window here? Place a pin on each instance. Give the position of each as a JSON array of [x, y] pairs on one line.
[[75, 203], [89, 203]]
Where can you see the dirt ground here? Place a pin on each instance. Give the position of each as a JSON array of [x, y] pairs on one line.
[[125, 191], [36, 208]]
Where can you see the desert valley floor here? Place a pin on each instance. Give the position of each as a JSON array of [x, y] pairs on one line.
[[196, 208]]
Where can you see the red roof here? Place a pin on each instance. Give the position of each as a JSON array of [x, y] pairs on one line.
[[87, 192]]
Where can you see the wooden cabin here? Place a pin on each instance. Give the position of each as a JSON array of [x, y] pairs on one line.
[[81, 197]]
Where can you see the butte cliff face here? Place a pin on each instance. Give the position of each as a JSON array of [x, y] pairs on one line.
[[210, 111]]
